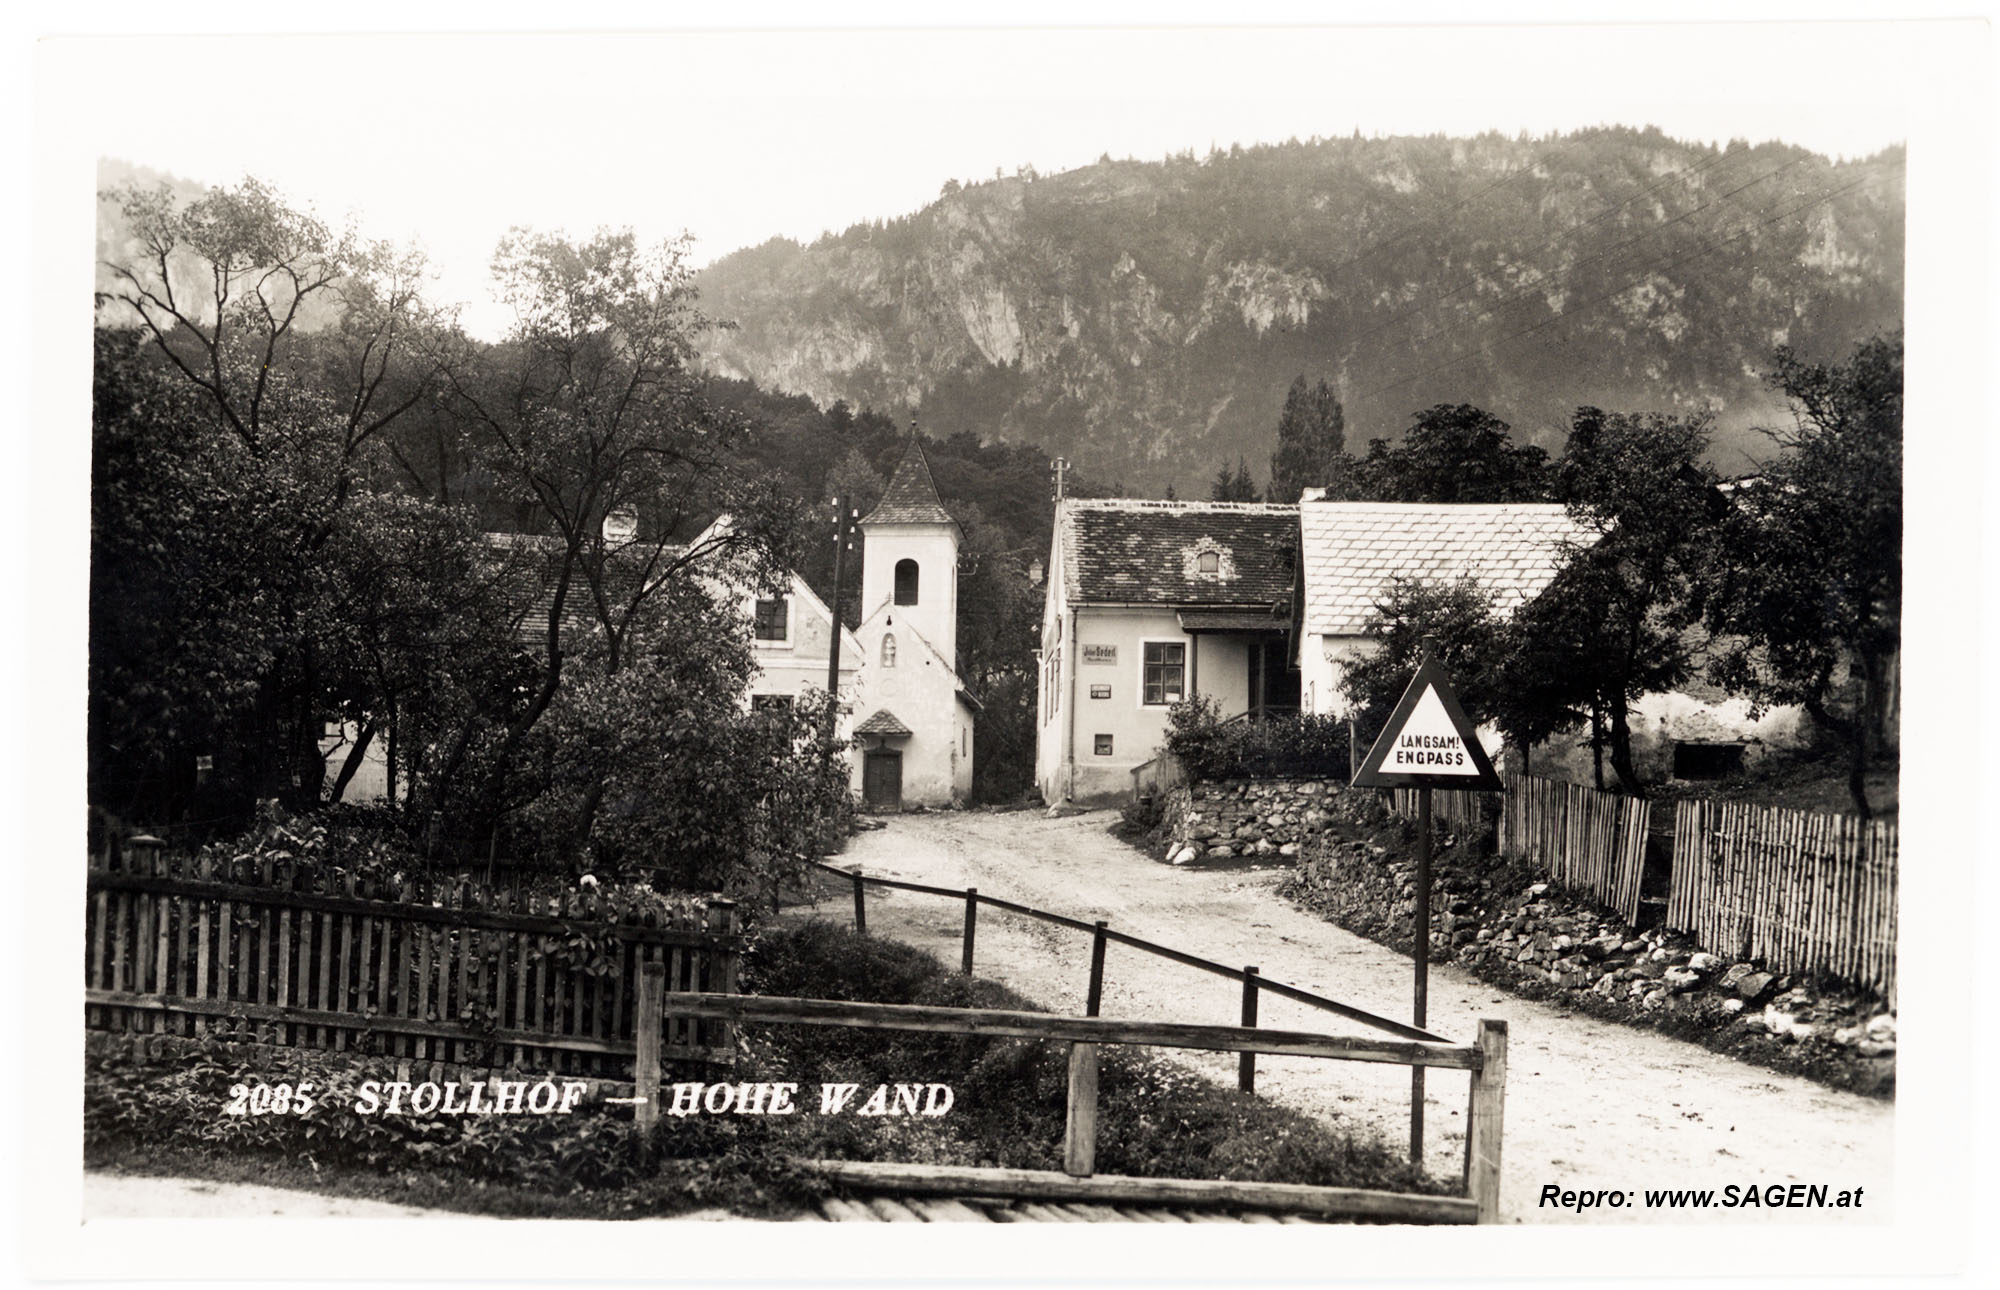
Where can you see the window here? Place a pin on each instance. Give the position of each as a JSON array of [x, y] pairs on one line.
[[774, 620], [906, 582], [888, 650], [1102, 745], [1208, 562], [1162, 673]]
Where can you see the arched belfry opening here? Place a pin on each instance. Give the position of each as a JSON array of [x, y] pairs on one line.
[[906, 582]]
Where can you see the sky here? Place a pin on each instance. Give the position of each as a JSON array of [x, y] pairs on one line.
[[447, 140]]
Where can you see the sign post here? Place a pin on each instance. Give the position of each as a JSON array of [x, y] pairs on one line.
[[1426, 743]]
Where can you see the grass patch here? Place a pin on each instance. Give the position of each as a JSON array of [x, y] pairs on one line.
[[1156, 1118]]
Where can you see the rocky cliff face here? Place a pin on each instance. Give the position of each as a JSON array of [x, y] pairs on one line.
[[1145, 319]]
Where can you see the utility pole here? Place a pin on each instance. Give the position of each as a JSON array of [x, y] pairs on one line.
[[843, 539]]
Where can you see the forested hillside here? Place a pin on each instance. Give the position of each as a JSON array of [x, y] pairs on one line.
[[1146, 318]]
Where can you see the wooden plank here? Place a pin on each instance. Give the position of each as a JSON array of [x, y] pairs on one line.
[[646, 1046], [284, 983], [1035, 1025], [1047, 1213], [892, 1211], [846, 1211], [347, 903], [311, 1016], [1092, 1213], [1039, 1186], [1080, 1127], [424, 937], [1485, 1122], [323, 957]]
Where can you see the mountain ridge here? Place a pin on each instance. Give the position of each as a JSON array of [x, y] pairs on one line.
[[1146, 318]]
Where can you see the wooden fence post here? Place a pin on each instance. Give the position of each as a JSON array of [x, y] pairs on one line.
[[1080, 1132], [860, 910], [971, 924], [646, 1072], [1483, 1121], [1246, 1069], [1094, 999]]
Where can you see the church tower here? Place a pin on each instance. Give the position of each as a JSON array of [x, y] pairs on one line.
[[914, 718], [910, 556]]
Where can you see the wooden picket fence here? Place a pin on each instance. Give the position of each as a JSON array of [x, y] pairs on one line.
[[1587, 841], [1455, 808], [1802, 892], [447, 972]]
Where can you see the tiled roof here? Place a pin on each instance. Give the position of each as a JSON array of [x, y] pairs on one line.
[[882, 722], [912, 496], [1127, 551], [528, 564], [1353, 549]]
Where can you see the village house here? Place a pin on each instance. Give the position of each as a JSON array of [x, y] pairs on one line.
[[1149, 603], [909, 716], [1351, 552], [1260, 607]]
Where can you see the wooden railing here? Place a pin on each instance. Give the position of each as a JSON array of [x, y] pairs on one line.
[[1591, 842], [454, 972], [1101, 934], [1803, 892], [1486, 1060]]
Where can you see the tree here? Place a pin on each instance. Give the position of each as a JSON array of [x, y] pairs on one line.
[[1236, 487], [1816, 585], [1311, 444], [1618, 621], [275, 357], [590, 410], [1471, 644], [1452, 453]]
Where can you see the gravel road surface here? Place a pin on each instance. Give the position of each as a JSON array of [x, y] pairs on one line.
[[1590, 1104]]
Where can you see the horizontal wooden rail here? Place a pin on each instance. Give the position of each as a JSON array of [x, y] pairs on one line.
[[413, 911], [1182, 957], [1089, 1030], [382, 1022], [1038, 1184]]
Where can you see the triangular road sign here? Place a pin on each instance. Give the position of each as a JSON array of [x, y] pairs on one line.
[[1428, 741]]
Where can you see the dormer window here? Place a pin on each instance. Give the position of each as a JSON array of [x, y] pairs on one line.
[[1208, 560], [906, 582]]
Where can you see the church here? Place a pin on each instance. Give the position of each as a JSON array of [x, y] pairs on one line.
[[910, 718]]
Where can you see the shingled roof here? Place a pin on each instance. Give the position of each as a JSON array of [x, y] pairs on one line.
[[1353, 550], [912, 496], [882, 722], [1127, 551]]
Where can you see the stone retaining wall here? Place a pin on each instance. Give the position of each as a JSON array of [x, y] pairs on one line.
[[1254, 817], [1525, 933]]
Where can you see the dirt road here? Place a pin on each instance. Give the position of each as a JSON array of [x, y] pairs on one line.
[[1590, 1105]]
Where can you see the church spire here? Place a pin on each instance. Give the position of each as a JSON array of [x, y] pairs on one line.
[[912, 496]]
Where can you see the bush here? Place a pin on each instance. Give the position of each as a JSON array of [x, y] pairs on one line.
[[1294, 745]]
